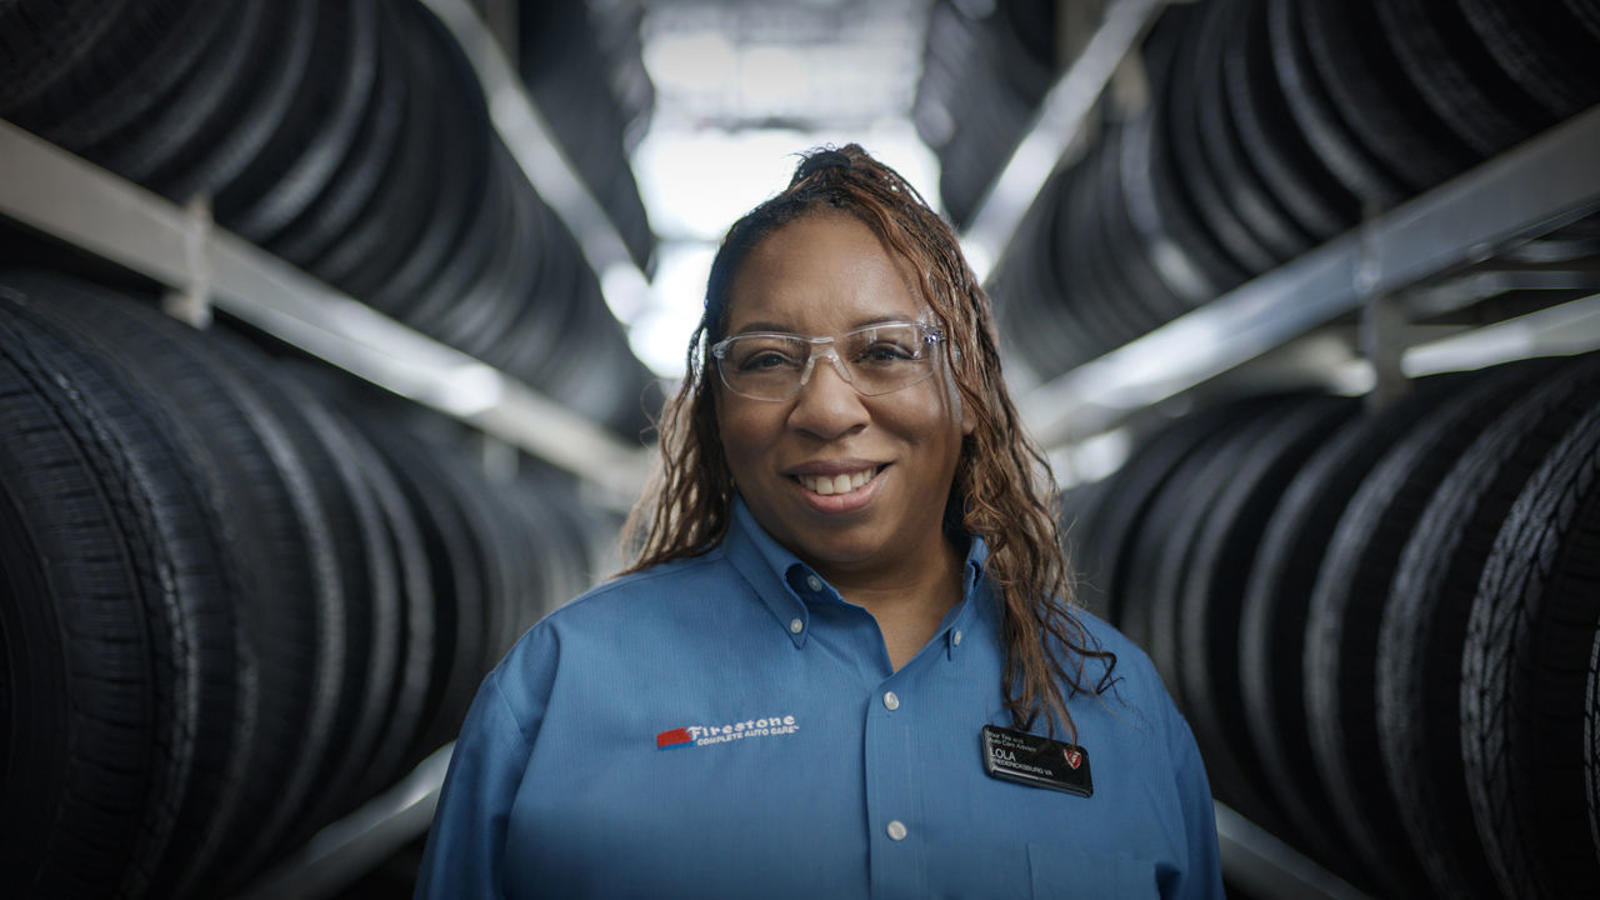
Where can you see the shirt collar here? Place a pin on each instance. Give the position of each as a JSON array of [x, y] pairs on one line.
[[786, 585]]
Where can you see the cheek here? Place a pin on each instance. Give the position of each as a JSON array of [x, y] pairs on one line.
[[745, 435]]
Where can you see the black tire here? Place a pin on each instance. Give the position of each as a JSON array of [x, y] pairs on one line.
[[1374, 95], [1272, 638], [1591, 743], [1587, 12], [1150, 301], [1184, 105], [1456, 76], [390, 225], [1424, 626], [460, 176], [1524, 676], [1152, 558], [118, 638], [1229, 532], [373, 616], [1220, 141], [1346, 611], [1541, 48], [125, 85], [1136, 485], [292, 617], [290, 173], [415, 666], [359, 173], [1159, 207], [1083, 508], [1320, 122], [57, 56], [1317, 203], [1096, 300], [247, 131], [1060, 334]]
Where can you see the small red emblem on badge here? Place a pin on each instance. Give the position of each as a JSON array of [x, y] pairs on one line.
[[674, 738], [1074, 757]]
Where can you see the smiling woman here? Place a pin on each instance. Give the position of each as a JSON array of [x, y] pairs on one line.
[[849, 531]]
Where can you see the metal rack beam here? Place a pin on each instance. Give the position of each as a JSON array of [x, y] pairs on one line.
[[1060, 120], [1541, 184], [1255, 860], [69, 198], [532, 143], [339, 853]]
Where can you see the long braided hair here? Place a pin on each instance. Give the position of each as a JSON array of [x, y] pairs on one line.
[[1003, 490]]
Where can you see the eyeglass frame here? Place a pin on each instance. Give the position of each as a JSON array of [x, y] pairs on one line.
[[930, 336]]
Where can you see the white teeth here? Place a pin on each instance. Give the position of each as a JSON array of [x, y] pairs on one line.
[[837, 484]]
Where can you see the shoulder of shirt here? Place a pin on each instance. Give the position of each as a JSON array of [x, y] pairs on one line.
[[1134, 680], [601, 610], [653, 585]]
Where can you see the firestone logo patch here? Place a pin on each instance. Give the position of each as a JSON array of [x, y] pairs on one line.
[[706, 735]]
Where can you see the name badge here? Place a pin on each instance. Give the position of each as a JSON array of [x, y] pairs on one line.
[[1036, 761]]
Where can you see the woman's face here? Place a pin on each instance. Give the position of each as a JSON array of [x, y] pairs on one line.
[[825, 274]]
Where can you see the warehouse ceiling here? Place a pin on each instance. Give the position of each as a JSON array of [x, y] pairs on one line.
[[739, 89]]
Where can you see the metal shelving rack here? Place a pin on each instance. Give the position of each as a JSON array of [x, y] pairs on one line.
[[78, 202], [61, 195], [1537, 186], [1436, 255]]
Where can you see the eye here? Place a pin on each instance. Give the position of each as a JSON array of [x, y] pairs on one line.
[[760, 359], [886, 351]]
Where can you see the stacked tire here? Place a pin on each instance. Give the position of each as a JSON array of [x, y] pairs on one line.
[[1380, 624], [985, 69], [229, 611], [349, 137], [1271, 127], [584, 65]]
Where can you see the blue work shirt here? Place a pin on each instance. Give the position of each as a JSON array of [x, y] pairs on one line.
[[729, 726]]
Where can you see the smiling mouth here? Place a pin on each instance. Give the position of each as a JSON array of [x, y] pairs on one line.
[[844, 483]]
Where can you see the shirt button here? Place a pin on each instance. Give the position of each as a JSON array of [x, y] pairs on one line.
[[796, 626], [956, 638], [893, 703], [897, 830], [814, 582]]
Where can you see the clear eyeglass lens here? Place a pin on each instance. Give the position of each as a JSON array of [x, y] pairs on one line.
[[878, 359]]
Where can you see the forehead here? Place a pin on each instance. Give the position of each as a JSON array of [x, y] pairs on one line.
[[822, 273]]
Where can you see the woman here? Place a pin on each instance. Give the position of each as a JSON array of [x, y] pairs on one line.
[[843, 664]]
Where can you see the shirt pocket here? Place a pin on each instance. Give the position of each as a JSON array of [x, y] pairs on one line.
[[1058, 871]]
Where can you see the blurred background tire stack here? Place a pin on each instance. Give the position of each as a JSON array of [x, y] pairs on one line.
[[351, 139], [985, 68], [236, 607], [1379, 623], [1267, 128], [243, 594], [1379, 615]]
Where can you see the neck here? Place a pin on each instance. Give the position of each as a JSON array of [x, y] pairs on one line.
[[908, 603]]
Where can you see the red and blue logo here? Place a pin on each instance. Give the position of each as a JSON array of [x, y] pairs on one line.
[[704, 735], [674, 738]]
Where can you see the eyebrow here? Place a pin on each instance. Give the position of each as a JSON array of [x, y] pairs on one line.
[[754, 327]]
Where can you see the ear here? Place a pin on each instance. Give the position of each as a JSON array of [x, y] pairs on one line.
[[969, 422]]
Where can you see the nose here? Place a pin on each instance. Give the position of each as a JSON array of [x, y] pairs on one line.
[[827, 405], [828, 352]]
